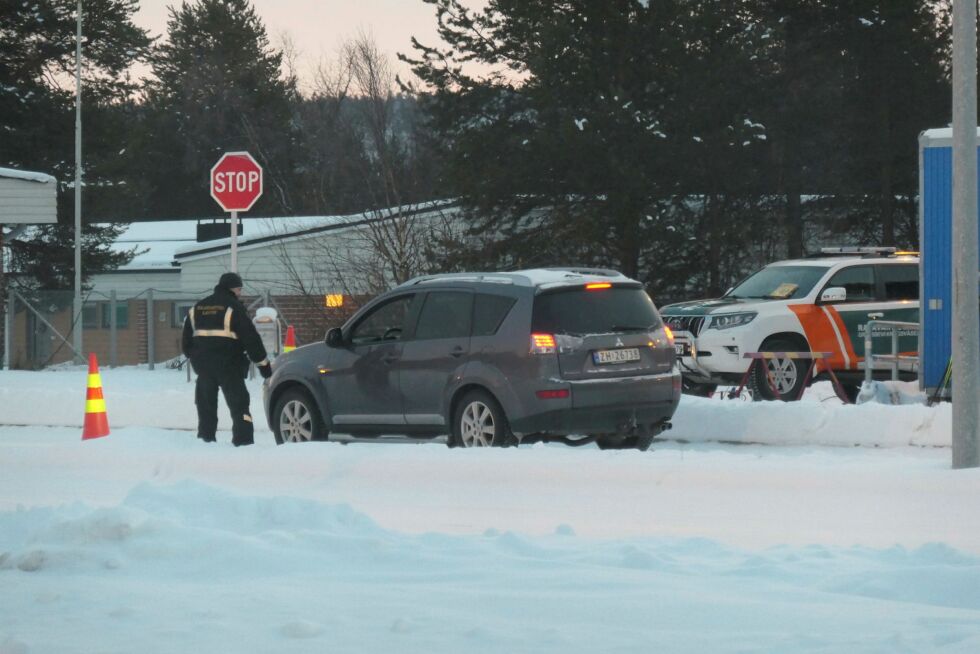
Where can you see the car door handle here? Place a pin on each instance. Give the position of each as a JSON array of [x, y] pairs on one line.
[[389, 358], [458, 351], [874, 315]]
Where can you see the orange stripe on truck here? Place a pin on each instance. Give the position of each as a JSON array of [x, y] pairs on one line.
[[819, 334]]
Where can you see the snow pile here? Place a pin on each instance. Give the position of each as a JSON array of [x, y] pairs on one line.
[[818, 419], [189, 567], [149, 540], [163, 398]]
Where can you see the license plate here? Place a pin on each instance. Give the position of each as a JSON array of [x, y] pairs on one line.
[[616, 356], [681, 349]]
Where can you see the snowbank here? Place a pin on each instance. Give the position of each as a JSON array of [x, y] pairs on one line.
[[163, 398]]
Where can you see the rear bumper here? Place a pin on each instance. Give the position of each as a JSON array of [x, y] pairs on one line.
[[605, 406]]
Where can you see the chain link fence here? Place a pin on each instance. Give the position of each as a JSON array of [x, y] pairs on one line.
[[139, 329]]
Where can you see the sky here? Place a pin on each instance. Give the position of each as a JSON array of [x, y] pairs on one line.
[[319, 27]]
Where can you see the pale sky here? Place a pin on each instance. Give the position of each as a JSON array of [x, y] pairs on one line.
[[319, 27]]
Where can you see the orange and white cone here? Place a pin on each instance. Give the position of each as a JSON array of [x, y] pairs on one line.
[[96, 420], [290, 343]]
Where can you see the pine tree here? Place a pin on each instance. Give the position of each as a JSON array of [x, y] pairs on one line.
[[220, 87], [37, 119]]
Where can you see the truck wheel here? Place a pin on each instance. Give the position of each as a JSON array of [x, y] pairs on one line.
[[787, 374]]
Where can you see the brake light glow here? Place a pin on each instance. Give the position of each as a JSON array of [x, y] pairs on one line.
[[542, 344], [595, 286], [670, 334], [553, 394]]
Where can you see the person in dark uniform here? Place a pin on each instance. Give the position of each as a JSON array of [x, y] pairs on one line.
[[219, 339]]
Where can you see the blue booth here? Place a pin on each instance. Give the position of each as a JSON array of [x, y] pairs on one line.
[[936, 260]]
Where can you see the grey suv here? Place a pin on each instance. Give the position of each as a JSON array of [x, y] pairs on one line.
[[488, 359]]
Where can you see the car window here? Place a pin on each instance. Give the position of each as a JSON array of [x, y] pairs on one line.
[[580, 311], [779, 283], [858, 281], [384, 323], [489, 312], [901, 281], [445, 314]]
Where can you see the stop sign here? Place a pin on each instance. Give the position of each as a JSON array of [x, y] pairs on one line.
[[236, 181]]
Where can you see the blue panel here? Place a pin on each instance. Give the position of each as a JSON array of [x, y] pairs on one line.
[[937, 197], [937, 265]]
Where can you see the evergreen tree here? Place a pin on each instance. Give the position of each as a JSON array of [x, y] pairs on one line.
[[219, 87], [897, 84], [37, 119]]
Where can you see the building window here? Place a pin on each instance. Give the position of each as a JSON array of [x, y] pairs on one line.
[[122, 315], [90, 315], [180, 313]]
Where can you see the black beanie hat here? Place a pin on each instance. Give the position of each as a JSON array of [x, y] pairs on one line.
[[230, 280]]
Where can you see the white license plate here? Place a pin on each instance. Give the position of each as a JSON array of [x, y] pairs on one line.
[[616, 356], [679, 349]]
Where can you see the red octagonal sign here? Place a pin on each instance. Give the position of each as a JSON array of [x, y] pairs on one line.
[[236, 181]]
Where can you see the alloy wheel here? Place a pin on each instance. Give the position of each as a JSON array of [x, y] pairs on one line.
[[295, 422], [477, 427], [783, 374]]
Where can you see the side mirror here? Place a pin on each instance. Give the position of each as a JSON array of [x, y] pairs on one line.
[[335, 337], [834, 294]]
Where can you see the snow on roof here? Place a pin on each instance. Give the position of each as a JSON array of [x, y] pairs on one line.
[[160, 240], [12, 173], [167, 240], [259, 229], [256, 230], [938, 136]]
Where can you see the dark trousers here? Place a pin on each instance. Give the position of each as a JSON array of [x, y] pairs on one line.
[[232, 384]]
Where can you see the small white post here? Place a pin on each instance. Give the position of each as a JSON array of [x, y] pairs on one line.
[[234, 241]]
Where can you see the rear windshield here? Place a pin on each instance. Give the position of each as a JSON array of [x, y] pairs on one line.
[[579, 311], [779, 283]]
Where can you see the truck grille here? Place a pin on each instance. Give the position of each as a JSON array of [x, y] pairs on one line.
[[691, 324]]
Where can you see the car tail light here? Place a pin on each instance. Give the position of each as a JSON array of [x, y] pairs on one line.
[[542, 344], [670, 334], [595, 286], [553, 394]]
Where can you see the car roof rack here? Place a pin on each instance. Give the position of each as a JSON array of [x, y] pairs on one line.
[[580, 270]]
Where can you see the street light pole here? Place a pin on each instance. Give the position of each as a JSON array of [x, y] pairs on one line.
[[77, 303], [966, 324]]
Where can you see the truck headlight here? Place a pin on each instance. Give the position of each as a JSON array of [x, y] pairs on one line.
[[729, 320]]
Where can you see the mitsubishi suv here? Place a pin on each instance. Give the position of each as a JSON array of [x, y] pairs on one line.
[[570, 355], [819, 304]]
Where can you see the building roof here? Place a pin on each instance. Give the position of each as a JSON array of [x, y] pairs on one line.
[[161, 245], [27, 175]]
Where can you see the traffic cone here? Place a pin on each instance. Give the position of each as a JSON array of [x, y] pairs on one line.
[[96, 421], [290, 343]]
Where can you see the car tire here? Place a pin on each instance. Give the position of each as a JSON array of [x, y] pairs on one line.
[[788, 374], [479, 421], [296, 418]]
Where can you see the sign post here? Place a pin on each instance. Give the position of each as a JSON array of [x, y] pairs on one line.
[[236, 184]]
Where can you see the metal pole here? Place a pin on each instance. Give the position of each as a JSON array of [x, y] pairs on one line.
[[8, 321], [112, 329], [966, 325], [150, 353], [234, 241], [77, 313], [868, 355]]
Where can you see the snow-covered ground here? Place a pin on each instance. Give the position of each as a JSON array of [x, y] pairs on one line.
[[762, 527]]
